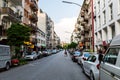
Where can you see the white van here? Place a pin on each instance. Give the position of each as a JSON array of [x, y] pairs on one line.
[[110, 65], [5, 58]]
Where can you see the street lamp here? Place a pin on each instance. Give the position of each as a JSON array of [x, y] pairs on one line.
[[71, 3]]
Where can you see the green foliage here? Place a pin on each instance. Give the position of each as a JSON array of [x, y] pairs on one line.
[[59, 47], [17, 34], [22, 61], [72, 45]]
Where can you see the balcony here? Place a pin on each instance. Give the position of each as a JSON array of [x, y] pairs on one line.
[[48, 28], [83, 23], [86, 17], [78, 22], [82, 33], [87, 39], [33, 17], [86, 25], [16, 2], [34, 5], [87, 29], [33, 27], [81, 19], [82, 14], [10, 14]]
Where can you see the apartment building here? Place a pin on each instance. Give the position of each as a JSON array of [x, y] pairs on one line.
[[56, 40], [30, 18], [11, 11], [50, 26], [84, 25], [75, 35], [41, 35], [106, 22]]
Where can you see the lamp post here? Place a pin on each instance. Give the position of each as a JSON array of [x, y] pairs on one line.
[[92, 16], [71, 3]]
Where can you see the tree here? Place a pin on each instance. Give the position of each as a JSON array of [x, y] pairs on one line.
[[59, 46], [72, 45], [17, 34]]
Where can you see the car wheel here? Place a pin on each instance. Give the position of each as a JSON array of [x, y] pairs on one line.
[[83, 70], [33, 59], [7, 67], [91, 76], [81, 66]]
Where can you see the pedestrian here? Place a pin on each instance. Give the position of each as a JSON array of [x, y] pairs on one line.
[[65, 53], [100, 57]]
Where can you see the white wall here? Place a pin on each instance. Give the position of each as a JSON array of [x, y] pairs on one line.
[[42, 21], [115, 21]]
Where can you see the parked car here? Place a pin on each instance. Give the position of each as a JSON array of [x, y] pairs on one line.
[[91, 67], [14, 62], [31, 56], [110, 64], [54, 51], [45, 53], [49, 52], [84, 57], [75, 56], [39, 54]]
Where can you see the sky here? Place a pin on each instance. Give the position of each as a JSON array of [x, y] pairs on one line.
[[63, 15]]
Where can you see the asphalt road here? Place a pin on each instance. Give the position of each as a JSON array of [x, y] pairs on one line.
[[54, 67]]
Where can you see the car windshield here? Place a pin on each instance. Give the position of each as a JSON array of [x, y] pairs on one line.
[[77, 53], [86, 55]]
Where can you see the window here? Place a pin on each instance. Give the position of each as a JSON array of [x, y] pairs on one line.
[[99, 21], [5, 3], [104, 16], [111, 56], [98, 6], [111, 11], [91, 58]]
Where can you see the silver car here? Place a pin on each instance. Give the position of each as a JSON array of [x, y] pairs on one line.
[[82, 58], [31, 56], [91, 67]]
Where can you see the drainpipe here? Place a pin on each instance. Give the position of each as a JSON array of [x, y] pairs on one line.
[[92, 25]]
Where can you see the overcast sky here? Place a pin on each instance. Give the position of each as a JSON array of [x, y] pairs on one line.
[[63, 15]]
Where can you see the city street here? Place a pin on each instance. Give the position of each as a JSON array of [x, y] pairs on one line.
[[54, 67]]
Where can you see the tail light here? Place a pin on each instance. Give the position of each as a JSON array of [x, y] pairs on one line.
[[98, 66]]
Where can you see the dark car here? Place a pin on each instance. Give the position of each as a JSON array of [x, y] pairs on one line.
[[75, 56]]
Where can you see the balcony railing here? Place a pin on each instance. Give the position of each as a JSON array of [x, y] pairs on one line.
[[78, 22], [87, 29], [82, 14], [82, 33], [87, 39], [33, 27], [81, 19], [33, 17], [11, 15], [7, 10], [86, 17], [16, 2], [34, 5], [83, 23]]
